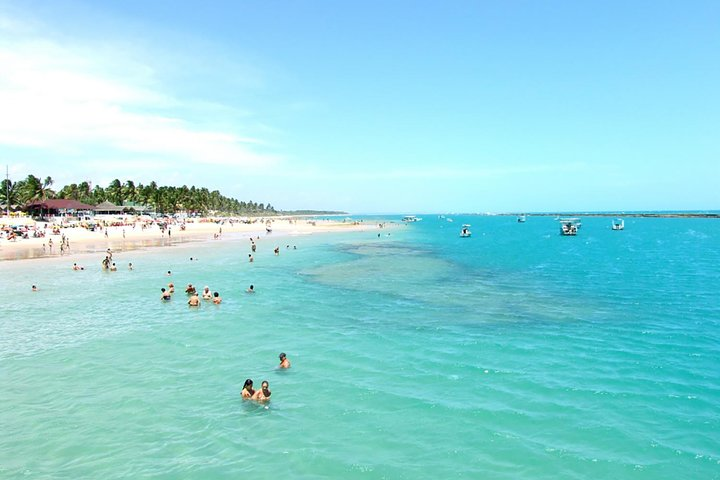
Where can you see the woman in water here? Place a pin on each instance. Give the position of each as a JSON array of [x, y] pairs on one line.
[[247, 391]]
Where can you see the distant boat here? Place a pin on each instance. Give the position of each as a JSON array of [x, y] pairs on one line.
[[618, 224], [449, 219], [411, 218], [569, 226], [521, 218], [465, 232]]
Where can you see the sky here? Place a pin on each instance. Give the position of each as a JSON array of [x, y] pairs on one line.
[[371, 106]]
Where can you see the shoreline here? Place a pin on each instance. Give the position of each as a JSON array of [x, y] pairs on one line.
[[126, 238]]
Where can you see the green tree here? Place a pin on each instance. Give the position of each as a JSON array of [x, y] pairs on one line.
[[114, 192]]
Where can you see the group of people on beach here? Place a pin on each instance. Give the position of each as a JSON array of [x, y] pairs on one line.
[[263, 394]]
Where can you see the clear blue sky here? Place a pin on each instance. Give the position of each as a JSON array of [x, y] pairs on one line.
[[371, 106]]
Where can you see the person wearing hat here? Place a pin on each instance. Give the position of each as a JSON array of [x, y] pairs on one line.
[[206, 295], [284, 362]]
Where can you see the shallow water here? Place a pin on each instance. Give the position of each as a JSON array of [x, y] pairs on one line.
[[513, 354]]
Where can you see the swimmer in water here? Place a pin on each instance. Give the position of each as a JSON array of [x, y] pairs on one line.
[[34, 288], [263, 395], [284, 362], [165, 295], [171, 288], [206, 295], [194, 300], [247, 391], [217, 299], [190, 290], [251, 289]]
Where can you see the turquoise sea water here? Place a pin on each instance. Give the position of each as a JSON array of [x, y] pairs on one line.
[[514, 354]]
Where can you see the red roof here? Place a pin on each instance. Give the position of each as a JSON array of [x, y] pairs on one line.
[[60, 204]]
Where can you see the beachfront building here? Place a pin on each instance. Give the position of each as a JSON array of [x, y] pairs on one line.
[[127, 208], [58, 209]]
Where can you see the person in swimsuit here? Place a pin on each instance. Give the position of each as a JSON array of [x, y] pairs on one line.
[[217, 299], [165, 295], [206, 295], [247, 391], [194, 300], [284, 362], [263, 395]]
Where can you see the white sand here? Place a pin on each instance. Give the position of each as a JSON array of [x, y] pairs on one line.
[[126, 237]]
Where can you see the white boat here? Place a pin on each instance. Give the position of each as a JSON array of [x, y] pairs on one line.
[[411, 218], [569, 226], [521, 218], [465, 232], [618, 224]]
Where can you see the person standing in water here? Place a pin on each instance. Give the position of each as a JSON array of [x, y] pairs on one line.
[[262, 395], [247, 391], [284, 362]]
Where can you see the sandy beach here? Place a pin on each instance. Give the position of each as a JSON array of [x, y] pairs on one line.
[[132, 235]]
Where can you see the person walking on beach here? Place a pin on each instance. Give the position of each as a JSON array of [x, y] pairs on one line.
[[247, 391], [284, 362]]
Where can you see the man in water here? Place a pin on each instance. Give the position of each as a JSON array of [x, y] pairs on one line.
[[262, 395], [206, 295], [251, 289], [217, 299], [284, 362], [165, 295], [194, 300]]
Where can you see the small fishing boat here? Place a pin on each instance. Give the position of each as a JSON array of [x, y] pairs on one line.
[[465, 232], [569, 226], [618, 224], [521, 218]]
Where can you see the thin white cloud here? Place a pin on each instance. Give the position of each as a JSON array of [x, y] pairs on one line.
[[59, 98]]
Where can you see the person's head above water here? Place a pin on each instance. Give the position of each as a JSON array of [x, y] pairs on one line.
[[248, 383]]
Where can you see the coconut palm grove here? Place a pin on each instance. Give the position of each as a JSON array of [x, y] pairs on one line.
[[163, 199]]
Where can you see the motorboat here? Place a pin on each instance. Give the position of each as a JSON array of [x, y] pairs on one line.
[[411, 218], [569, 226], [465, 231], [618, 224], [521, 218]]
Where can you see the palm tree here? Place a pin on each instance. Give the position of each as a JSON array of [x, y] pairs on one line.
[[114, 192], [129, 192]]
